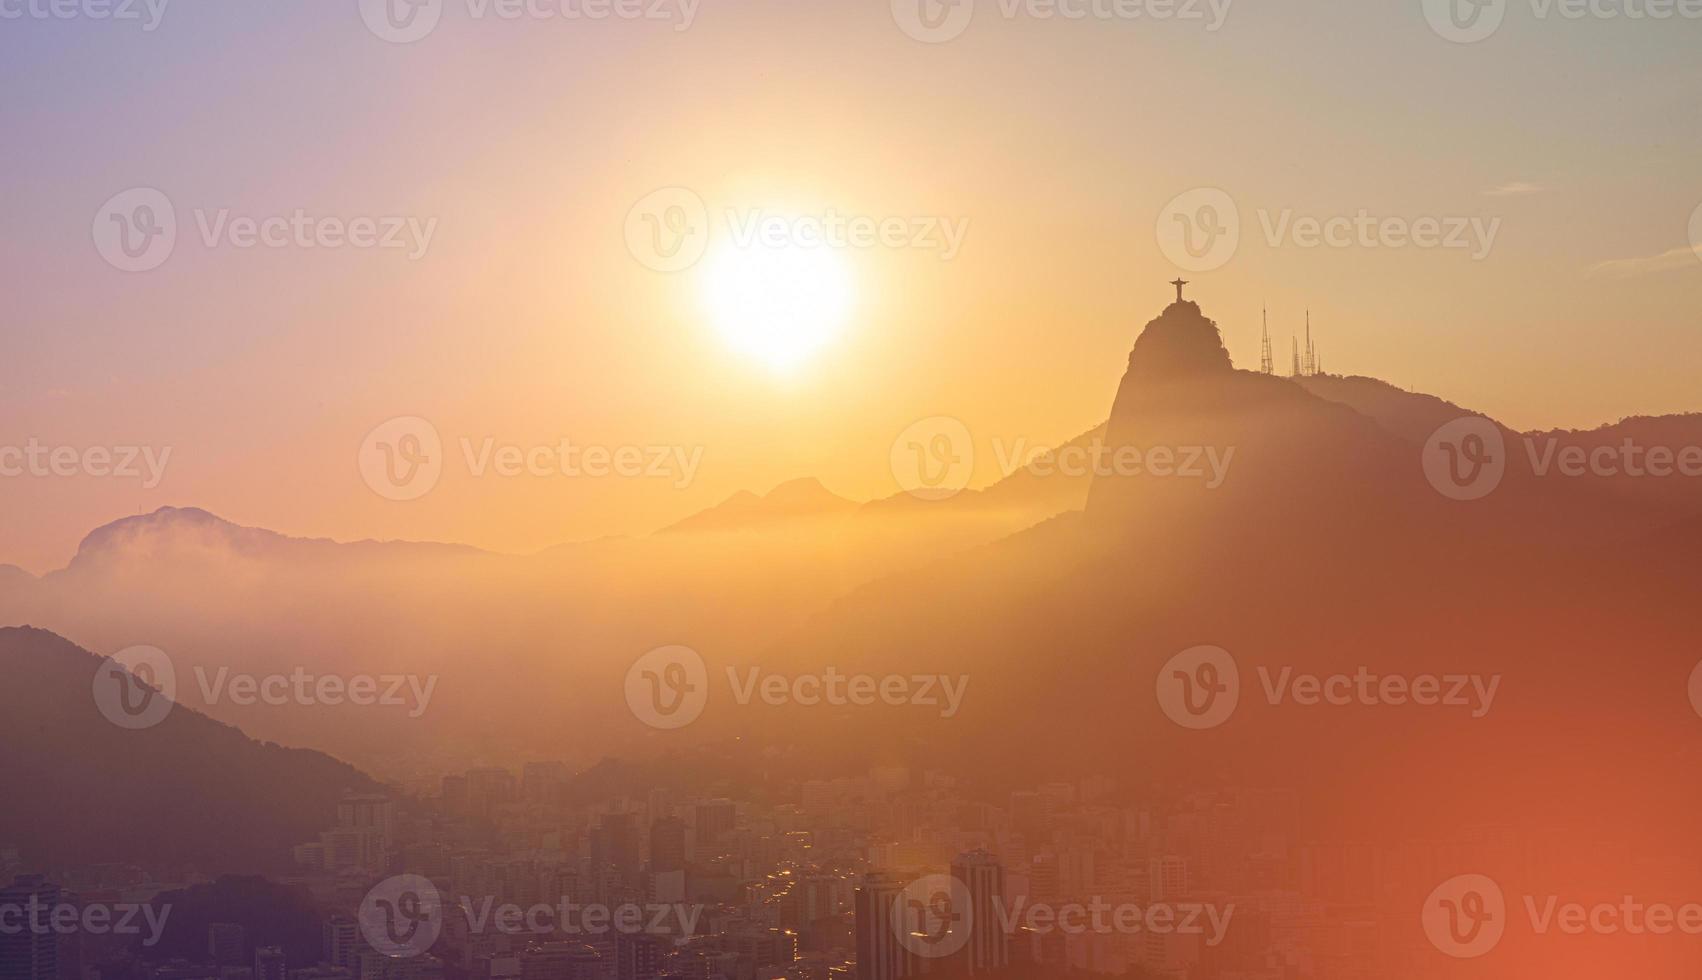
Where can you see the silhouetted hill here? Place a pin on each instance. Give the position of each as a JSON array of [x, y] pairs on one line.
[[1324, 550], [790, 501], [172, 533], [188, 791], [271, 915]]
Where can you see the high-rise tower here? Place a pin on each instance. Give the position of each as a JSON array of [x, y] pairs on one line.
[[1265, 365]]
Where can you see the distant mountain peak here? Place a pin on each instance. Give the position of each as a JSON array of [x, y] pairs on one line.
[[166, 520], [800, 498], [1182, 341], [806, 488]]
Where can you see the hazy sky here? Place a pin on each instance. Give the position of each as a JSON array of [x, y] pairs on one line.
[[523, 144]]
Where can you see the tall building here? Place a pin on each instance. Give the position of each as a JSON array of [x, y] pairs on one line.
[[31, 952], [880, 954], [615, 843], [561, 961], [639, 956], [668, 845], [342, 942], [269, 964], [984, 878], [540, 782], [227, 943], [715, 820], [1167, 878]]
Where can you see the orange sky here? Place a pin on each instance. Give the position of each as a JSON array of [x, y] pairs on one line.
[[1058, 144]]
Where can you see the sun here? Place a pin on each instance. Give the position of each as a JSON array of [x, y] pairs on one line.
[[777, 304]]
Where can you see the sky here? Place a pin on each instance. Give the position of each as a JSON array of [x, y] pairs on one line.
[[1057, 148]]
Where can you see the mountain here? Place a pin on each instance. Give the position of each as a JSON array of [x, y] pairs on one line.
[[185, 792], [791, 501], [171, 533], [1323, 552]]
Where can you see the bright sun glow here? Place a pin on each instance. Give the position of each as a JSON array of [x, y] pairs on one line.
[[779, 305]]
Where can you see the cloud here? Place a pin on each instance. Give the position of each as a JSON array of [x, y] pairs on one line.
[[1665, 262], [1514, 188]]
